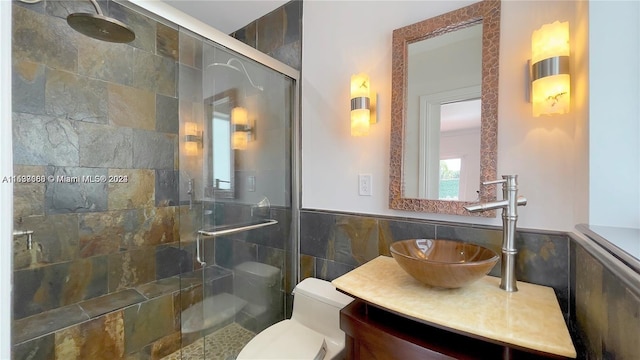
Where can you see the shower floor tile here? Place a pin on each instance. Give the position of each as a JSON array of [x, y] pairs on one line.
[[223, 344]]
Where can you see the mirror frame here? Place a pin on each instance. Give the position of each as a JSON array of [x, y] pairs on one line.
[[487, 12]]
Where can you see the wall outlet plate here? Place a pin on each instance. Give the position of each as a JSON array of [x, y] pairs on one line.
[[364, 185]]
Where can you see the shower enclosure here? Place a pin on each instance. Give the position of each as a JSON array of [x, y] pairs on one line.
[[157, 187]]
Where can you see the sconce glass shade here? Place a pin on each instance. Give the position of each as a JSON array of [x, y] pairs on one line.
[[191, 148], [551, 95], [360, 113], [549, 41], [191, 138], [239, 140], [239, 116], [190, 128], [551, 80], [242, 130], [360, 122]]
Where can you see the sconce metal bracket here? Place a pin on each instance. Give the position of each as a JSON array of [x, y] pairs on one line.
[[360, 103], [548, 67]]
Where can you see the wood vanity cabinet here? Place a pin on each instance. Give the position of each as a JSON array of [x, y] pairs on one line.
[[376, 334]]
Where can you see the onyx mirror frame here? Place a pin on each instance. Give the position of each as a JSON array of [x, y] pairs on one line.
[[488, 13]]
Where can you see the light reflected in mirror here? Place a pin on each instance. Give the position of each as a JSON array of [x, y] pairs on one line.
[[443, 116], [444, 110]]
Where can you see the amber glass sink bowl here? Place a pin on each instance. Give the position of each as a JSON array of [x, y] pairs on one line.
[[443, 263]]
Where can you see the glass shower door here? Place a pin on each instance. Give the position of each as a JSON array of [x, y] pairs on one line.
[[235, 191]]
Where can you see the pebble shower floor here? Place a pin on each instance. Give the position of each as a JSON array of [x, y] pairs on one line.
[[223, 344]]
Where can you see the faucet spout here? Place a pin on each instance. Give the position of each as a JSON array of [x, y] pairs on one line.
[[487, 206], [509, 206]]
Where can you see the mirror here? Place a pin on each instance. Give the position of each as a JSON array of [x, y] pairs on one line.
[[442, 138], [219, 154], [444, 111]]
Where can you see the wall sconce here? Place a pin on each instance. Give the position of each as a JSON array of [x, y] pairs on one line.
[[361, 106], [242, 130], [192, 138], [550, 77]]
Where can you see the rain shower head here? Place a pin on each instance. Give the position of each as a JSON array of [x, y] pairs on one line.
[[100, 27], [244, 70]]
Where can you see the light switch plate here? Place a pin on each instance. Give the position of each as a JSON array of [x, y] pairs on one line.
[[251, 183]]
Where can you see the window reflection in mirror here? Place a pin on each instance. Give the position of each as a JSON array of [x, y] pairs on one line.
[[221, 146], [459, 154], [220, 156]]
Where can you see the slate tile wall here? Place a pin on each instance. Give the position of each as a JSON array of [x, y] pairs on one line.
[[606, 309], [140, 323], [84, 109], [278, 34]]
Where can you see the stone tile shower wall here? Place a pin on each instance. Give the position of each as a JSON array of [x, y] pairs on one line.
[[277, 34], [97, 123]]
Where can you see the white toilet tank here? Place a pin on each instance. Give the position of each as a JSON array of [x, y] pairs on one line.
[[317, 304]]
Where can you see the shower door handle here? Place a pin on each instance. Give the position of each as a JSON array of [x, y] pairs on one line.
[[198, 253]]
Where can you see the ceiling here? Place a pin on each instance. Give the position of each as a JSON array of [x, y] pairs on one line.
[[226, 15], [460, 115]]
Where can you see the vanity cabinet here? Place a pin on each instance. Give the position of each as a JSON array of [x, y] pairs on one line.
[[376, 334]]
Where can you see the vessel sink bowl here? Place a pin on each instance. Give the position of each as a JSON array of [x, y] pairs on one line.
[[443, 263]]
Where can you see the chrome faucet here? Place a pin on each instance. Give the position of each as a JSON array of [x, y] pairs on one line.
[[509, 205]]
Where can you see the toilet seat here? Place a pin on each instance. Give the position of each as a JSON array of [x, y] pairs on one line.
[[285, 340]]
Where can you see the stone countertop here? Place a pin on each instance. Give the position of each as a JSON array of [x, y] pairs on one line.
[[529, 318]]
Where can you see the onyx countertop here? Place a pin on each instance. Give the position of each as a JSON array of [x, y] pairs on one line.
[[529, 318]]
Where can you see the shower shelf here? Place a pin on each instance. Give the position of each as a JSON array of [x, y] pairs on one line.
[[236, 228]]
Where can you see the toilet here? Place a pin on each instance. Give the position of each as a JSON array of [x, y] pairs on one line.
[[312, 333]]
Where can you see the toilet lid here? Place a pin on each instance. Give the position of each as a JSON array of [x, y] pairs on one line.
[[287, 339]]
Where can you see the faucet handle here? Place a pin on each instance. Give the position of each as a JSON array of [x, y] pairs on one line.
[[521, 201]]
